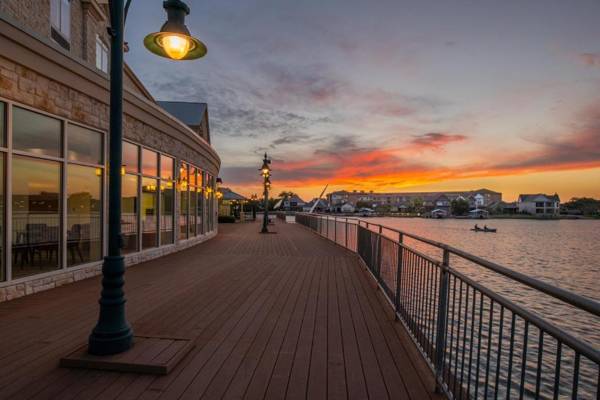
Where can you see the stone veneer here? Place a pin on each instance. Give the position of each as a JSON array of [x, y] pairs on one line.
[[77, 273]]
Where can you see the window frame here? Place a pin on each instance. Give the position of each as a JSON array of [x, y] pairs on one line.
[[57, 25], [102, 49]]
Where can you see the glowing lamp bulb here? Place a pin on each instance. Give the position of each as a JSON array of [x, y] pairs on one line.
[[176, 46]]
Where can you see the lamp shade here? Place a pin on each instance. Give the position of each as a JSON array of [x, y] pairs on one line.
[[174, 41]]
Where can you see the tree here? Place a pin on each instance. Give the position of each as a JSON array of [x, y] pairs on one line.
[[287, 194], [586, 205], [459, 206], [363, 204], [416, 204]]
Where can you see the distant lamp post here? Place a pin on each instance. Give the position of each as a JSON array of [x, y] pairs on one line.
[[265, 171], [112, 334], [254, 199]]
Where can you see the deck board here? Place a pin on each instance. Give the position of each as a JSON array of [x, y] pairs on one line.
[[286, 315]]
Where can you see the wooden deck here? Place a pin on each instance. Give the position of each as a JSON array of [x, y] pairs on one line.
[[288, 315]]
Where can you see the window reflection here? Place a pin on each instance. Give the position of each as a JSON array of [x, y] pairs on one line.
[[149, 212], [199, 209], [84, 145], [149, 162], [183, 201], [193, 206], [130, 157], [167, 208], [84, 214], [35, 216], [2, 125], [129, 225], [36, 133], [166, 167]]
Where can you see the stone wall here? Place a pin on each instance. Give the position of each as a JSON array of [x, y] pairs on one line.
[[23, 85], [32, 14], [74, 274]]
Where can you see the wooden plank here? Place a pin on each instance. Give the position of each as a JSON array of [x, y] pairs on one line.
[[283, 338]]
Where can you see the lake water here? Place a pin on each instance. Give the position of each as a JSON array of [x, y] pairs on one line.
[[564, 253]]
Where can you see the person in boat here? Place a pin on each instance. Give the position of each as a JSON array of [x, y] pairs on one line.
[[485, 228], [476, 227]]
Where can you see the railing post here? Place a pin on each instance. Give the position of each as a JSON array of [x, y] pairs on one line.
[[346, 235], [379, 258], [398, 275], [442, 321], [327, 227], [335, 229]]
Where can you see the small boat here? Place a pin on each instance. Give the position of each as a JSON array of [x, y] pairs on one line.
[[490, 230]]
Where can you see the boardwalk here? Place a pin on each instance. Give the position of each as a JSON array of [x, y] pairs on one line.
[[288, 315]]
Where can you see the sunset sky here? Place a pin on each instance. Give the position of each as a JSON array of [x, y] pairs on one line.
[[392, 95]]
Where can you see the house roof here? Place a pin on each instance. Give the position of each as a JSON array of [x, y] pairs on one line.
[[538, 197], [229, 194], [189, 113]]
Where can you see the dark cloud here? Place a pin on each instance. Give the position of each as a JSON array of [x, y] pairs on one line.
[[436, 140]]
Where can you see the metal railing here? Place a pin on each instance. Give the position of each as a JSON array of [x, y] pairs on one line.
[[478, 342]]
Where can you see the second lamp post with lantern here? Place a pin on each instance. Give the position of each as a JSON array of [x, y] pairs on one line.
[[265, 171]]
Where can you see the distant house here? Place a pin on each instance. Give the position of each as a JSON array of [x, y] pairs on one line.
[[290, 203], [322, 205], [539, 204], [347, 208]]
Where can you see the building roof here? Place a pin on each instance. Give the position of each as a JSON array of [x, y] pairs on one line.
[[229, 194], [189, 113], [538, 197]]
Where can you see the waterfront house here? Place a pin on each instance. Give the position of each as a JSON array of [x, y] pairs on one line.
[[480, 198], [539, 204], [347, 208], [290, 203], [54, 98], [322, 205]]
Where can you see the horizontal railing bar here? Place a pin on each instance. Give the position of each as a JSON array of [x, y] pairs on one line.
[[584, 303], [574, 343]]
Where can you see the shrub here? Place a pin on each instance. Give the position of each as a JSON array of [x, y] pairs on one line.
[[226, 219]]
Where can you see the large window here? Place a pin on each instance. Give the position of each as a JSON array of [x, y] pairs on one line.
[[60, 21], [84, 214], [149, 212], [35, 216], [129, 207], [36, 133], [2, 229], [167, 199], [183, 186], [56, 192]]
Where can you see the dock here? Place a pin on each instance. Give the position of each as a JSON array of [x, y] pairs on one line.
[[288, 315]]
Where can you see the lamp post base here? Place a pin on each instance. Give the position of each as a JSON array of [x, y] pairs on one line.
[[264, 230], [112, 333]]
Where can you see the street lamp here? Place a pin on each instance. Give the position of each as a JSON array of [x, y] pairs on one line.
[[254, 198], [265, 171], [112, 334]]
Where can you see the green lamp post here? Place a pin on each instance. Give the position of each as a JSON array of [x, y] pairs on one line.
[[112, 333], [265, 171]]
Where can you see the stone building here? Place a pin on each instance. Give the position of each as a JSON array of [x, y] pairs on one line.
[[54, 95]]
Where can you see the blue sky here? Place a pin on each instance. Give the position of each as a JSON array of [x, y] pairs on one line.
[[391, 95]]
